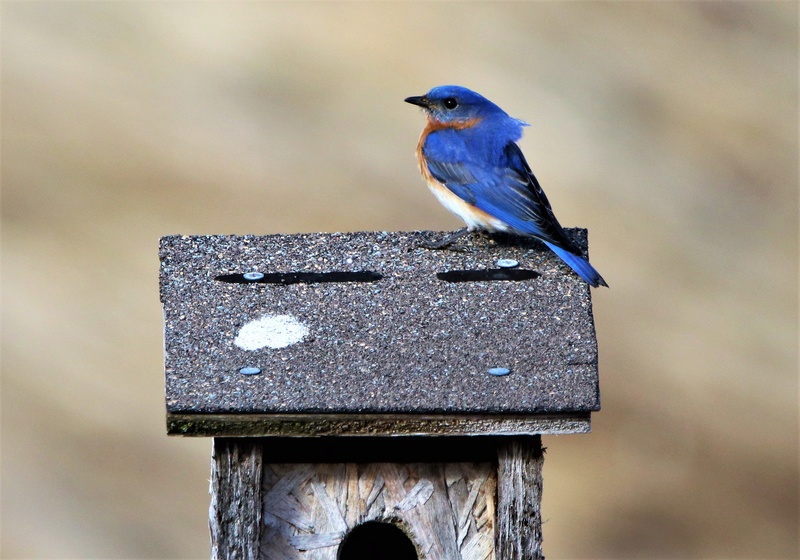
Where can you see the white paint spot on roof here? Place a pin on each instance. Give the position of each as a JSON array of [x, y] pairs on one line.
[[275, 331]]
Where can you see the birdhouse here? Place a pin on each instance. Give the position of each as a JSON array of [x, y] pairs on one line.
[[371, 398]]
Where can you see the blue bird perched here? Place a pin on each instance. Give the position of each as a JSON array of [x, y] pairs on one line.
[[469, 157]]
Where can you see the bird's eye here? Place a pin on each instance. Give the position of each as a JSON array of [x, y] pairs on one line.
[[450, 103]]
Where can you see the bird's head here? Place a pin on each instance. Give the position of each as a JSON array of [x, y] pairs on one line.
[[454, 104]]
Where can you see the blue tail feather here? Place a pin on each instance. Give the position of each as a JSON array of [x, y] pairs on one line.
[[580, 265]]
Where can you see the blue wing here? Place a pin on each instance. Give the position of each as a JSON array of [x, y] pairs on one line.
[[508, 190]]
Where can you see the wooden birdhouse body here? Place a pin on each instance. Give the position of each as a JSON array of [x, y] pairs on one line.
[[359, 382], [448, 509]]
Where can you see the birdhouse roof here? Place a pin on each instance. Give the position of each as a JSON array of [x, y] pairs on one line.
[[370, 333]]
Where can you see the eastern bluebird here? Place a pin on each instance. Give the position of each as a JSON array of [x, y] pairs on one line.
[[469, 157]]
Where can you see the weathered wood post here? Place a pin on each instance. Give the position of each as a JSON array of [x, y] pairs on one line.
[[370, 398]]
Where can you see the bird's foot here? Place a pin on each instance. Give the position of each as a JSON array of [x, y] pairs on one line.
[[446, 242]]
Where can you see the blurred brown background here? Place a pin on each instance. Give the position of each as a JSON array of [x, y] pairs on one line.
[[670, 130]]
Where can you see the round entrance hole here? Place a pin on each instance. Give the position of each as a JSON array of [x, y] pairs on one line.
[[375, 540]]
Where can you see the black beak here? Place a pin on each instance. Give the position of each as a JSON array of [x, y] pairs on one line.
[[421, 100]]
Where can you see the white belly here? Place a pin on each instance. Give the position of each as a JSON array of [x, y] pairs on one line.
[[473, 217]]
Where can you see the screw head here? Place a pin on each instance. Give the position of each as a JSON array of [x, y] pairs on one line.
[[498, 371], [507, 263], [250, 371], [253, 276]]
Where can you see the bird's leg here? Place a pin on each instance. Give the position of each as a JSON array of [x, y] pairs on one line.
[[447, 241]]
